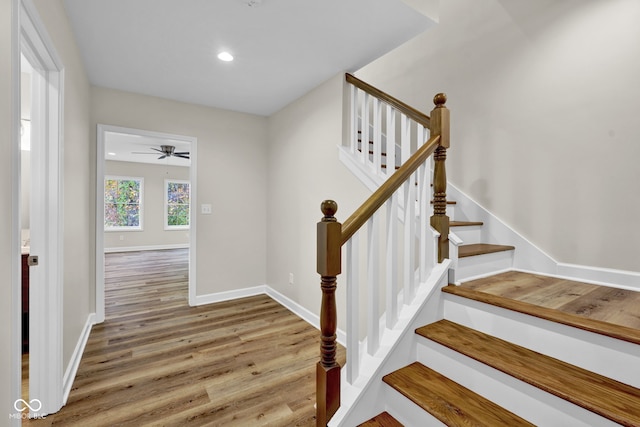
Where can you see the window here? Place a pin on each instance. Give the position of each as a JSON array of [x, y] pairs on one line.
[[176, 204], [123, 203]]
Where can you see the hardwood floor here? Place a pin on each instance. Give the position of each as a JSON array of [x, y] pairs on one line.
[[616, 306], [157, 361]]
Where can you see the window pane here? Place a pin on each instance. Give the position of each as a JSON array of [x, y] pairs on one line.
[[177, 203], [110, 190], [122, 202], [130, 215], [178, 215]]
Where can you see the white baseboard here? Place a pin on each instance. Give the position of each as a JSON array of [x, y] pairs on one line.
[[291, 305], [74, 363], [230, 295], [621, 279], [146, 248]]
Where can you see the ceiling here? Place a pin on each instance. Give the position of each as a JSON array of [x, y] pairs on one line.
[[282, 48]]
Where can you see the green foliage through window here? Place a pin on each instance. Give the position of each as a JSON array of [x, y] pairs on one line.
[[177, 193], [122, 202]]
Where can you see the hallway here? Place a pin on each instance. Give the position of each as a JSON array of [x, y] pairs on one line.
[[157, 361]]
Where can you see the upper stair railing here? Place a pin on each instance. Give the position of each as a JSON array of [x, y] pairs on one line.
[[407, 195]]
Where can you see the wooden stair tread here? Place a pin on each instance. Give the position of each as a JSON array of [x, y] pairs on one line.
[[606, 397], [464, 223], [382, 420], [612, 330], [447, 400], [481, 249]]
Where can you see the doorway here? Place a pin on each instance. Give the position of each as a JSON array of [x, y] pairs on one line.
[[122, 145], [43, 237]]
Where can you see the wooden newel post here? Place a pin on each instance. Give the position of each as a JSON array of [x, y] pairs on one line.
[[329, 266], [440, 220]]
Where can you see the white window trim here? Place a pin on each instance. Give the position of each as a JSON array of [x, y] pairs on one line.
[[166, 204], [140, 227]]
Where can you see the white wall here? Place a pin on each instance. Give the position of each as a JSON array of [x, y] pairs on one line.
[[304, 170], [153, 233], [544, 98], [231, 176]]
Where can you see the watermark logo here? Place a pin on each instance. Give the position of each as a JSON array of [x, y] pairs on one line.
[[21, 405]]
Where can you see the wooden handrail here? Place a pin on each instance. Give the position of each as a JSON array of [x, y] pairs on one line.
[[405, 109], [384, 192]]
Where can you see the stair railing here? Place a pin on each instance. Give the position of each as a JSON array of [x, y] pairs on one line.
[[411, 180], [384, 140]]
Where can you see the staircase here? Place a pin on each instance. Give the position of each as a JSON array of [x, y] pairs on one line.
[[457, 354], [496, 361]]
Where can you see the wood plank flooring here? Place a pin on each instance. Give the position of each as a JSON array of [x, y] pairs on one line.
[[611, 305], [157, 361]]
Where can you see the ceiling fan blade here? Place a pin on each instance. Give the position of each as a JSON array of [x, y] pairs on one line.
[[141, 152], [162, 157], [182, 156], [181, 152], [158, 150]]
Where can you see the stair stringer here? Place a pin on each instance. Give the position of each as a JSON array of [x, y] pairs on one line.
[[527, 256], [366, 397]]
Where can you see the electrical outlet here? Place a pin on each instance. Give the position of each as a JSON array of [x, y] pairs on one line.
[[121, 237], [291, 278]]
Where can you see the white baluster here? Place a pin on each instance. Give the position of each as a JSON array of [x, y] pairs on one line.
[[392, 261], [377, 136], [353, 309], [391, 140], [424, 203], [409, 238], [364, 136], [405, 138], [353, 119], [373, 280]]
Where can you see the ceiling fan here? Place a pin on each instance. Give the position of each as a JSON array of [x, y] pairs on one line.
[[167, 151]]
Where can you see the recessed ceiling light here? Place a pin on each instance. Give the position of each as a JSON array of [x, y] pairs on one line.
[[225, 56], [111, 154]]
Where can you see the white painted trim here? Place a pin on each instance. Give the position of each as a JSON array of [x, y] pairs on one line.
[[16, 258], [146, 248], [601, 276], [46, 329], [74, 363], [100, 249], [303, 313], [287, 302], [359, 169], [193, 217], [230, 295], [620, 279]]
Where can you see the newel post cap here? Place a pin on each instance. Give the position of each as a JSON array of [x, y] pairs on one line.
[[329, 209], [440, 99]]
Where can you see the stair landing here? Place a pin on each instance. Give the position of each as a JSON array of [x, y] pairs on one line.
[[605, 310]]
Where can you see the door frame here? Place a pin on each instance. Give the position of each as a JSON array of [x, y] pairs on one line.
[[45, 324], [102, 129]]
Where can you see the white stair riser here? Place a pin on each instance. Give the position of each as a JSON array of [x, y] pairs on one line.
[[597, 353], [407, 412], [469, 233], [524, 400], [482, 265]]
